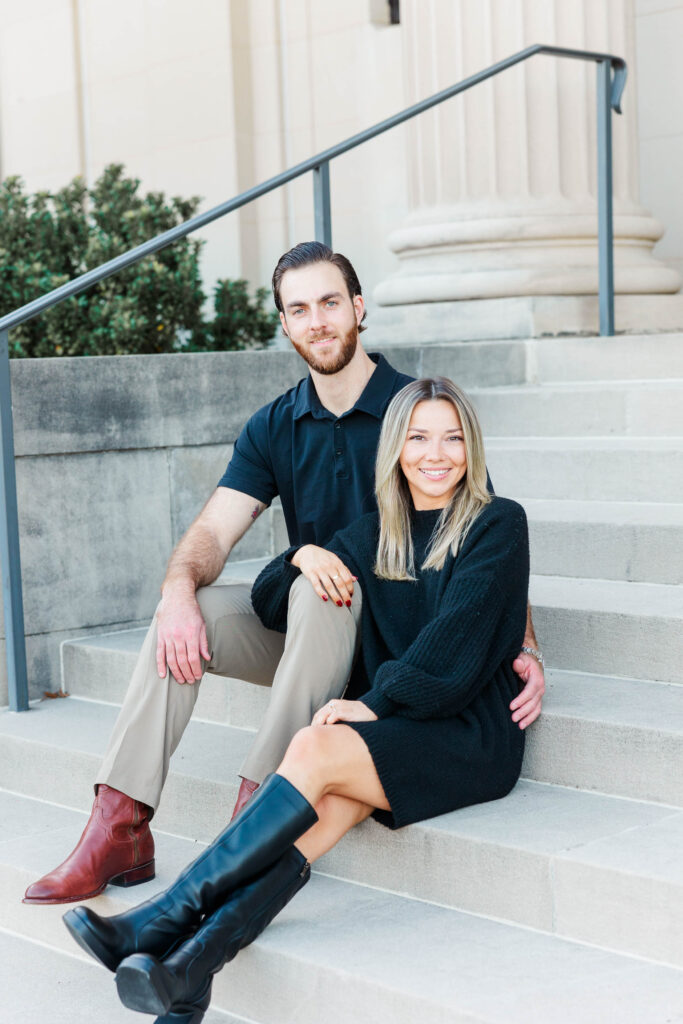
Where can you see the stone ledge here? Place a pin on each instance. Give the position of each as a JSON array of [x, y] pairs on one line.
[[525, 316]]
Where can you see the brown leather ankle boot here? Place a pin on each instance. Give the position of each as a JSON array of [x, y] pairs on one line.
[[246, 791], [116, 847]]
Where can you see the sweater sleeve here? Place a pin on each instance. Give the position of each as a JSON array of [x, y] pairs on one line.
[[480, 622], [270, 592]]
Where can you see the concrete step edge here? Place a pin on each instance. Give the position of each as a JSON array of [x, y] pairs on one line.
[[131, 640], [564, 387], [639, 515], [600, 733], [336, 906], [547, 834]]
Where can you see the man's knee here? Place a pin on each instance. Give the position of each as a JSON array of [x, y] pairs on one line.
[[221, 601], [305, 603]]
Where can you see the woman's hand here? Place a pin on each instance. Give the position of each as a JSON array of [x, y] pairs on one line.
[[343, 711], [326, 572]]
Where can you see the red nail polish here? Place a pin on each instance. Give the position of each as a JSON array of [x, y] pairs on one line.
[[339, 603], [348, 604], [324, 597]]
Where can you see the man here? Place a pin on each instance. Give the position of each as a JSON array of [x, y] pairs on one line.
[[315, 447]]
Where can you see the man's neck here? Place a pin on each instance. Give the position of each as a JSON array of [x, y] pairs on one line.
[[339, 392]]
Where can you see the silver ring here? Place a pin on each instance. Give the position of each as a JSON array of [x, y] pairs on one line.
[[331, 706], [337, 577]]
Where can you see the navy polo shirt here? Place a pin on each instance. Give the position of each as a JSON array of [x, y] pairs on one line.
[[321, 465]]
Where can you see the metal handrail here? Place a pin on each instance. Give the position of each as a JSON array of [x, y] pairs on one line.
[[609, 91]]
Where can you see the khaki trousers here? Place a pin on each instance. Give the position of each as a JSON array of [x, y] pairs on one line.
[[306, 667]]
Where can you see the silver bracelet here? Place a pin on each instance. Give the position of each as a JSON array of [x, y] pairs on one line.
[[534, 654]]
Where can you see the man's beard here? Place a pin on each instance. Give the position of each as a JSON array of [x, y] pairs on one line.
[[327, 366]]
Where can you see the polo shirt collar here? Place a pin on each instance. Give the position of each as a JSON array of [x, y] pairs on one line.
[[373, 399]]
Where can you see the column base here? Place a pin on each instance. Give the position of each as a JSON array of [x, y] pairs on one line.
[[525, 316]]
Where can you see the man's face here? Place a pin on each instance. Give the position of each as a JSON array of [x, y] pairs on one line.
[[320, 318]]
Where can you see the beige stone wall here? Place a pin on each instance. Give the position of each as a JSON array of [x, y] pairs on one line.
[[213, 97], [659, 81]]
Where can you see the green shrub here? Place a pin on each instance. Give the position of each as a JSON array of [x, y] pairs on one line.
[[156, 305], [239, 322]]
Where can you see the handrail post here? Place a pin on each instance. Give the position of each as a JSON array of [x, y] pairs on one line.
[[321, 203], [15, 642], [605, 218]]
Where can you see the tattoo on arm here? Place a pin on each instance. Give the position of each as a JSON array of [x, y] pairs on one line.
[[256, 512]]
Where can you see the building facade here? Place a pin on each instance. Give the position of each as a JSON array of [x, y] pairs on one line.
[[489, 197]]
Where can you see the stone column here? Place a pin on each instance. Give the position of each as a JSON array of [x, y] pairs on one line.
[[503, 177]]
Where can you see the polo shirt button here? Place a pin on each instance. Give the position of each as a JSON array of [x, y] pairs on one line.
[[337, 426], [338, 451]]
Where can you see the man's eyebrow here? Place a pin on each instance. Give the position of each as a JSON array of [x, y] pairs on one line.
[[424, 430], [323, 298]]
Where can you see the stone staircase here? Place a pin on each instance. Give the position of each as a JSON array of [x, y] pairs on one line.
[[562, 903]]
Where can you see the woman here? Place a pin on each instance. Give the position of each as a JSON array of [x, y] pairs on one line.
[[443, 569]]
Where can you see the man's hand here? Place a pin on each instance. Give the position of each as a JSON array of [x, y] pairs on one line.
[[526, 707], [343, 711], [181, 638], [196, 562], [327, 573]]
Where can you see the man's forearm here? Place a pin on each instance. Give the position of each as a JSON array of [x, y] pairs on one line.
[[201, 554], [196, 561], [529, 634]]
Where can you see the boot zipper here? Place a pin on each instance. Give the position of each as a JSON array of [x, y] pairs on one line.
[[133, 835]]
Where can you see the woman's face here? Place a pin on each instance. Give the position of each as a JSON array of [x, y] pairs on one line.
[[433, 458]]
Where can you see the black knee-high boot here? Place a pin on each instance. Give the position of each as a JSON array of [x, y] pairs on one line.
[[272, 821], [180, 986]]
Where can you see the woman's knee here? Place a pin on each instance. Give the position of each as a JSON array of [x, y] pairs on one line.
[[310, 748]]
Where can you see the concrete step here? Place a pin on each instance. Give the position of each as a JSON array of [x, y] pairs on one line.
[[608, 627], [605, 627], [625, 357], [41, 984], [613, 735], [546, 360], [594, 867], [586, 408], [587, 469], [618, 736], [99, 668], [614, 540], [312, 964]]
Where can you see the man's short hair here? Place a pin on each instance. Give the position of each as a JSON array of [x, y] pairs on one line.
[[306, 253]]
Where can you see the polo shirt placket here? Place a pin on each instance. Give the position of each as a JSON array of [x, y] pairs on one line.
[[339, 449]]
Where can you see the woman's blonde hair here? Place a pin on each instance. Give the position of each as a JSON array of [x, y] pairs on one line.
[[395, 555]]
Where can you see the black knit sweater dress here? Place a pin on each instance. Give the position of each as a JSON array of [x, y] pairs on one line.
[[435, 662]]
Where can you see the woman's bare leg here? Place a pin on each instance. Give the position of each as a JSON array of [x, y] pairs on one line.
[[336, 816], [332, 767]]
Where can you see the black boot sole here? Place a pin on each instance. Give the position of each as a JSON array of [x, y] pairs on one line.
[[142, 984]]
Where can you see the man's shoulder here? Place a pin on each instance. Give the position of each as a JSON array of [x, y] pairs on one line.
[[400, 379]]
